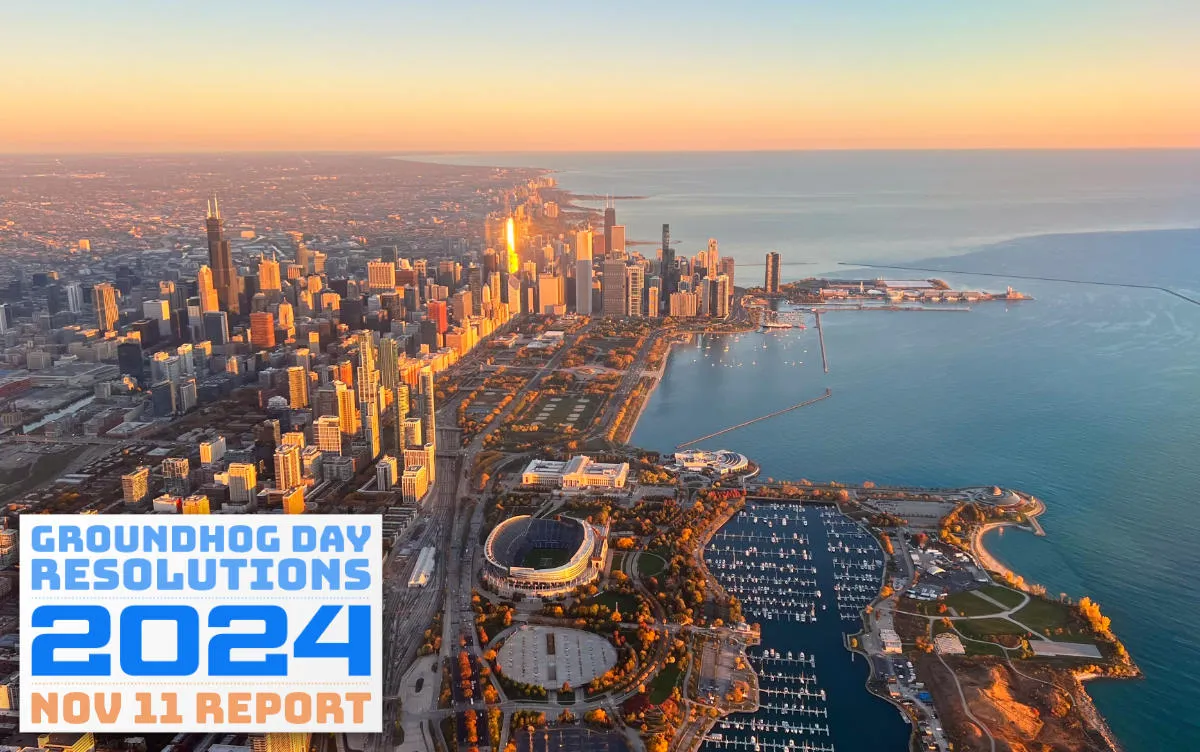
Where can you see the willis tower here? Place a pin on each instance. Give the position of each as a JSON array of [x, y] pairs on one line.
[[220, 260]]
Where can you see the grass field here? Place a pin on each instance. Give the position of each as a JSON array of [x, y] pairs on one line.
[[1000, 593], [554, 412], [626, 603], [981, 629], [967, 603], [660, 688], [1041, 615], [546, 558], [650, 564]]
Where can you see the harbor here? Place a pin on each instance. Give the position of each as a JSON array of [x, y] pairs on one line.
[[802, 573]]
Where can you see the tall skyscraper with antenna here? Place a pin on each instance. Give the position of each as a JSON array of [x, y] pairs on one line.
[[668, 272], [220, 259], [610, 219]]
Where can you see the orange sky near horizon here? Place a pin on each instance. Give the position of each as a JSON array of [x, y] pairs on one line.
[[1090, 75]]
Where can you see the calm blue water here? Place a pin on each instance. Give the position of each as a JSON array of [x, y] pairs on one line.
[[1086, 397]]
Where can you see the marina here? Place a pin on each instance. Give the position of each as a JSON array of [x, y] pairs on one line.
[[802, 573]]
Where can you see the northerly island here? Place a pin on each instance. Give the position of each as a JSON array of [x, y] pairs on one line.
[[467, 351]]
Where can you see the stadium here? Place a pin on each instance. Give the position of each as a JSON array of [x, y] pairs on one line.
[[542, 557]]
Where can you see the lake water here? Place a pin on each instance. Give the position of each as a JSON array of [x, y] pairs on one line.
[[1086, 397]]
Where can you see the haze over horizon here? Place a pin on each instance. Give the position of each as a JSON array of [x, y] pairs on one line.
[[374, 76]]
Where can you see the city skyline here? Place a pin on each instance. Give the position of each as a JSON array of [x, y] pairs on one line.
[[380, 77]]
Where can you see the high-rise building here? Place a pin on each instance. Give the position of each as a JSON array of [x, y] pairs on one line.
[[610, 219], [371, 427], [635, 280], [612, 287], [212, 451], [287, 467], [176, 472], [550, 292], [381, 276], [158, 311], [220, 258], [412, 433], [297, 387], [711, 259], [414, 484], [583, 272], [715, 294], [401, 405], [107, 313], [618, 241], [725, 267], [772, 278], [460, 304], [428, 410], [135, 486], [216, 327], [328, 434], [262, 330], [387, 473], [348, 410], [437, 312], [268, 276], [243, 482], [74, 297], [207, 290], [684, 304], [653, 307], [475, 283]]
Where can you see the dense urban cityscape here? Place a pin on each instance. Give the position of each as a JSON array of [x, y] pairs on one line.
[[466, 352]]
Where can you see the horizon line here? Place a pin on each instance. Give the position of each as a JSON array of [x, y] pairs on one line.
[[399, 153]]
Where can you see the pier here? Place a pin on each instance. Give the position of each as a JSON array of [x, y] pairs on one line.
[[828, 393], [821, 339]]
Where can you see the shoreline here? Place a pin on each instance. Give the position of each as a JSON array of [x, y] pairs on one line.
[[1081, 697]]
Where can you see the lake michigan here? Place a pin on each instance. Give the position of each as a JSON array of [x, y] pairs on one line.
[[1086, 397]]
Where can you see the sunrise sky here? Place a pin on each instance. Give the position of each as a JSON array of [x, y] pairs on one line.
[[158, 75]]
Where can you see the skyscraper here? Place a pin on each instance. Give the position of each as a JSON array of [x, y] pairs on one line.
[[610, 219], [772, 281], [612, 287], [287, 467], [583, 272], [667, 270], [216, 327], [74, 295], [220, 258], [617, 243], [297, 387], [381, 276], [428, 409], [175, 472], [712, 258], [268, 275], [206, 290], [328, 434], [634, 283], [107, 314], [262, 330], [726, 267], [348, 410]]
